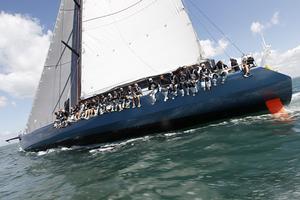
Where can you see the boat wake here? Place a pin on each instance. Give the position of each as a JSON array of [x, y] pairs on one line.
[[295, 103], [48, 151]]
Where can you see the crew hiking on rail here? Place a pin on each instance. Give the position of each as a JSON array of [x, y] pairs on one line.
[[184, 81]]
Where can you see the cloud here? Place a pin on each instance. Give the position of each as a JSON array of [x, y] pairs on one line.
[[14, 104], [259, 27], [6, 133], [286, 62], [23, 49], [211, 49], [275, 18], [3, 101]]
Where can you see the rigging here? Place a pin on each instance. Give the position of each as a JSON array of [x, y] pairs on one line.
[[211, 35], [216, 26]]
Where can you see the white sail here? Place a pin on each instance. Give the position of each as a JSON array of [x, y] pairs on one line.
[[54, 85], [124, 40]]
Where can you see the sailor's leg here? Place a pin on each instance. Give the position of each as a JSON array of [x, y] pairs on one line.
[[181, 92], [139, 100], [196, 86], [208, 85], [193, 89], [133, 101], [214, 82], [187, 89], [203, 86], [153, 95], [165, 93], [174, 94], [86, 114]]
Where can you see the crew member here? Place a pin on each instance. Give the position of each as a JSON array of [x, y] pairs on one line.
[[137, 92], [164, 84], [234, 65], [152, 87]]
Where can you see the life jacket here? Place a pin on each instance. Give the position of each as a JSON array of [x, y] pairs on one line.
[[152, 85], [250, 61]]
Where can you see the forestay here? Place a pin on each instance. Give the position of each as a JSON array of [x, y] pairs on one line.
[[125, 40], [54, 86]]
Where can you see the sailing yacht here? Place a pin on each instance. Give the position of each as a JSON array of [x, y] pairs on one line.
[[99, 45]]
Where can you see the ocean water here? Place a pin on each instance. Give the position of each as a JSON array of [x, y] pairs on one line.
[[253, 157]]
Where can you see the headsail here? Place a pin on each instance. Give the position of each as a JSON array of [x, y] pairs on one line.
[[55, 83], [130, 39]]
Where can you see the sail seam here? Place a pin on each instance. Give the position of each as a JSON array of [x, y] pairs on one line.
[[114, 13], [119, 20]]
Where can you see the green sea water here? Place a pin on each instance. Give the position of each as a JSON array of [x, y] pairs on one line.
[[253, 157]]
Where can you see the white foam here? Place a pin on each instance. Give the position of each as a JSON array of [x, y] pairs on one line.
[[297, 130], [66, 149], [115, 146], [294, 108], [102, 149], [49, 151], [296, 95], [170, 134], [21, 149]]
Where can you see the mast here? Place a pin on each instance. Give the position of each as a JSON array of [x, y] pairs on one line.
[[80, 51], [76, 56]]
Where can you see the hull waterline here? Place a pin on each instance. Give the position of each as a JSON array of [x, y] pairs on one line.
[[238, 96]]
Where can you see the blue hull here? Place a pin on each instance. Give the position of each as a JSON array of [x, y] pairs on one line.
[[238, 96]]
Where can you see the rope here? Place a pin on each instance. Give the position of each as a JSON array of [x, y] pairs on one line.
[[211, 35], [216, 27], [50, 66], [67, 10], [114, 13]]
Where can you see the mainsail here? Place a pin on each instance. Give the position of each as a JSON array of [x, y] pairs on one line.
[[126, 40], [55, 83]]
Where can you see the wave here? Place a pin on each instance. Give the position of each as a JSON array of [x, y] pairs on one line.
[[294, 108], [49, 151], [115, 146], [295, 97]]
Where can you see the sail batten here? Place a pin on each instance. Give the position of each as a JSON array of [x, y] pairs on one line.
[[127, 40]]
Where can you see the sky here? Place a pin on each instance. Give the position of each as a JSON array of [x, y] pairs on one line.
[[26, 29]]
